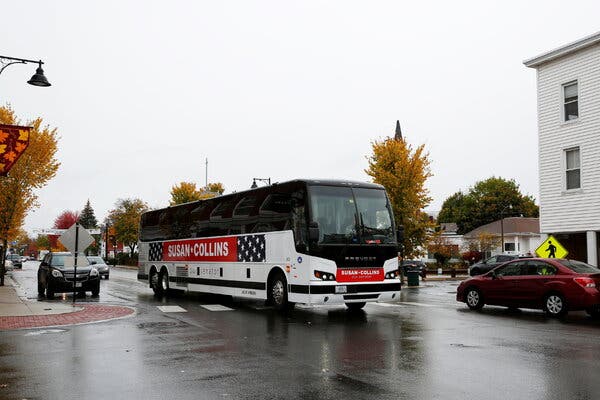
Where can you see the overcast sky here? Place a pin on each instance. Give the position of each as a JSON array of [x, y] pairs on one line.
[[144, 91]]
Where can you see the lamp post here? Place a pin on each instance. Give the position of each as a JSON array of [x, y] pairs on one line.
[[264, 180], [38, 79], [502, 223]]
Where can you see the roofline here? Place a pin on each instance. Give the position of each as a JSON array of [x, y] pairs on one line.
[[563, 51]]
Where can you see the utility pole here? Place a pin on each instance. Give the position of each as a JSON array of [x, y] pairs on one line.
[[206, 175]]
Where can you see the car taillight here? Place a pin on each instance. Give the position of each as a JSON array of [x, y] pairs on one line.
[[585, 282]]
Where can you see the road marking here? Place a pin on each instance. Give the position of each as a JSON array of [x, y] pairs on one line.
[[215, 307], [169, 309], [405, 303]]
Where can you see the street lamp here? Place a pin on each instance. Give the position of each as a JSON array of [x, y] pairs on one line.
[[509, 207], [38, 79], [264, 180]]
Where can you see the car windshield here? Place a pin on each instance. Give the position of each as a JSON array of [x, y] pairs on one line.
[[97, 260], [58, 260], [348, 215], [579, 267]]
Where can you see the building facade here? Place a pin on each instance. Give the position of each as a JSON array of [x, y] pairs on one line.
[[568, 100]]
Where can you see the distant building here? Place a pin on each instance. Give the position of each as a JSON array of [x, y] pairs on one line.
[[521, 235], [568, 93]]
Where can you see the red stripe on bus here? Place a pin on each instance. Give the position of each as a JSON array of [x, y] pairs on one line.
[[217, 250]]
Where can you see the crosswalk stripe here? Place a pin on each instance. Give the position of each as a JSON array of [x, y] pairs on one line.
[[170, 309], [405, 303], [215, 307]]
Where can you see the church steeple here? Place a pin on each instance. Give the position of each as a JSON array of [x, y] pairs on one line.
[[398, 135]]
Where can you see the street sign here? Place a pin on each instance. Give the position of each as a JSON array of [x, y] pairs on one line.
[[57, 232], [84, 239], [551, 248]]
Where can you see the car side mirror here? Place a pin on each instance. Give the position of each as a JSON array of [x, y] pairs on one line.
[[313, 231]]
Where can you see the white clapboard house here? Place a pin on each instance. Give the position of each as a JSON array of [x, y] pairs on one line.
[[568, 97]]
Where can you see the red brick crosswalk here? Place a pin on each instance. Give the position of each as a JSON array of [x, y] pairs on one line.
[[89, 313]]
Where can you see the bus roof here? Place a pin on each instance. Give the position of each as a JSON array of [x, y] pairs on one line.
[[308, 182]]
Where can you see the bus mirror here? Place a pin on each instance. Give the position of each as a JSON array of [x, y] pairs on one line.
[[313, 231], [400, 234]]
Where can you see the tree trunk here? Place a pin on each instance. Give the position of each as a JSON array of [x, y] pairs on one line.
[[2, 261]]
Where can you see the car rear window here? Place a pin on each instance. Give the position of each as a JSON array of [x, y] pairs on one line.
[[579, 267]]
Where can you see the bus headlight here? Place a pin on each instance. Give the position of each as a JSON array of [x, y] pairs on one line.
[[325, 276], [392, 274]]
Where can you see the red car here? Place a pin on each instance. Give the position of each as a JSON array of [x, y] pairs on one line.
[[553, 285]]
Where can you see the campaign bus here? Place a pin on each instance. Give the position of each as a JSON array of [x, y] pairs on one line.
[[317, 242]]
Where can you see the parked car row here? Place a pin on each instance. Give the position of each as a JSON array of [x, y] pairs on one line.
[[556, 286]]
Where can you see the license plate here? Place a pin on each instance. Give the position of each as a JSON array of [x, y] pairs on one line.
[[77, 284], [341, 289]]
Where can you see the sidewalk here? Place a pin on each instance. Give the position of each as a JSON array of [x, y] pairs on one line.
[[18, 313]]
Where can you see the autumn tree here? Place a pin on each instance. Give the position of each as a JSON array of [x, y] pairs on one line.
[[65, 220], [487, 201], [36, 166], [42, 242], [185, 192], [125, 219], [403, 170], [88, 220]]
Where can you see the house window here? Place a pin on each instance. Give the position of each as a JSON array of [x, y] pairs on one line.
[[509, 246], [573, 170], [571, 99]]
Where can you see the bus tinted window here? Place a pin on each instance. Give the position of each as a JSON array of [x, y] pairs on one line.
[[374, 213], [348, 215]]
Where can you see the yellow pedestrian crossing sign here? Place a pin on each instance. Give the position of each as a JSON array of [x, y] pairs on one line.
[[551, 248]]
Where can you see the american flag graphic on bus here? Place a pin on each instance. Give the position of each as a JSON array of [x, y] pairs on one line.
[[155, 252], [251, 248]]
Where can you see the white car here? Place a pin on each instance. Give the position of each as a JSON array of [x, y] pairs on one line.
[[8, 265]]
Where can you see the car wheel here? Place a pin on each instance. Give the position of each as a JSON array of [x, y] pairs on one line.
[[355, 306], [41, 288], [474, 299], [96, 289], [555, 305], [49, 291], [107, 276], [277, 292]]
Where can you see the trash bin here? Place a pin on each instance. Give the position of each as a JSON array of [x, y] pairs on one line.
[[412, 277]]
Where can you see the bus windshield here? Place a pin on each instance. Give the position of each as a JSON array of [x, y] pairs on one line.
[[351, 215]]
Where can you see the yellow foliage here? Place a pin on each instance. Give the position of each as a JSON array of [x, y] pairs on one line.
[[403, 172], [185, 192], [36, 166]]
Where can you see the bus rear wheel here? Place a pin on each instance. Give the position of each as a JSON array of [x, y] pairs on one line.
[[160, 282], [278, 294]]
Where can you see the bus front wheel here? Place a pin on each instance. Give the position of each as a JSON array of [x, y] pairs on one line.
[[278, 294]]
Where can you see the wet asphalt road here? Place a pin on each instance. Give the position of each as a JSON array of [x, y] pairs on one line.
[[427, 346]]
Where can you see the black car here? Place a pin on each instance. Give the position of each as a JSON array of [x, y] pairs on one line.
[[414, 265], [484, 266], [16, 260], [56, 275]]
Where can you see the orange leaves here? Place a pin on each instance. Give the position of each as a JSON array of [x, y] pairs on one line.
[[403, 171], [15, 140]]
